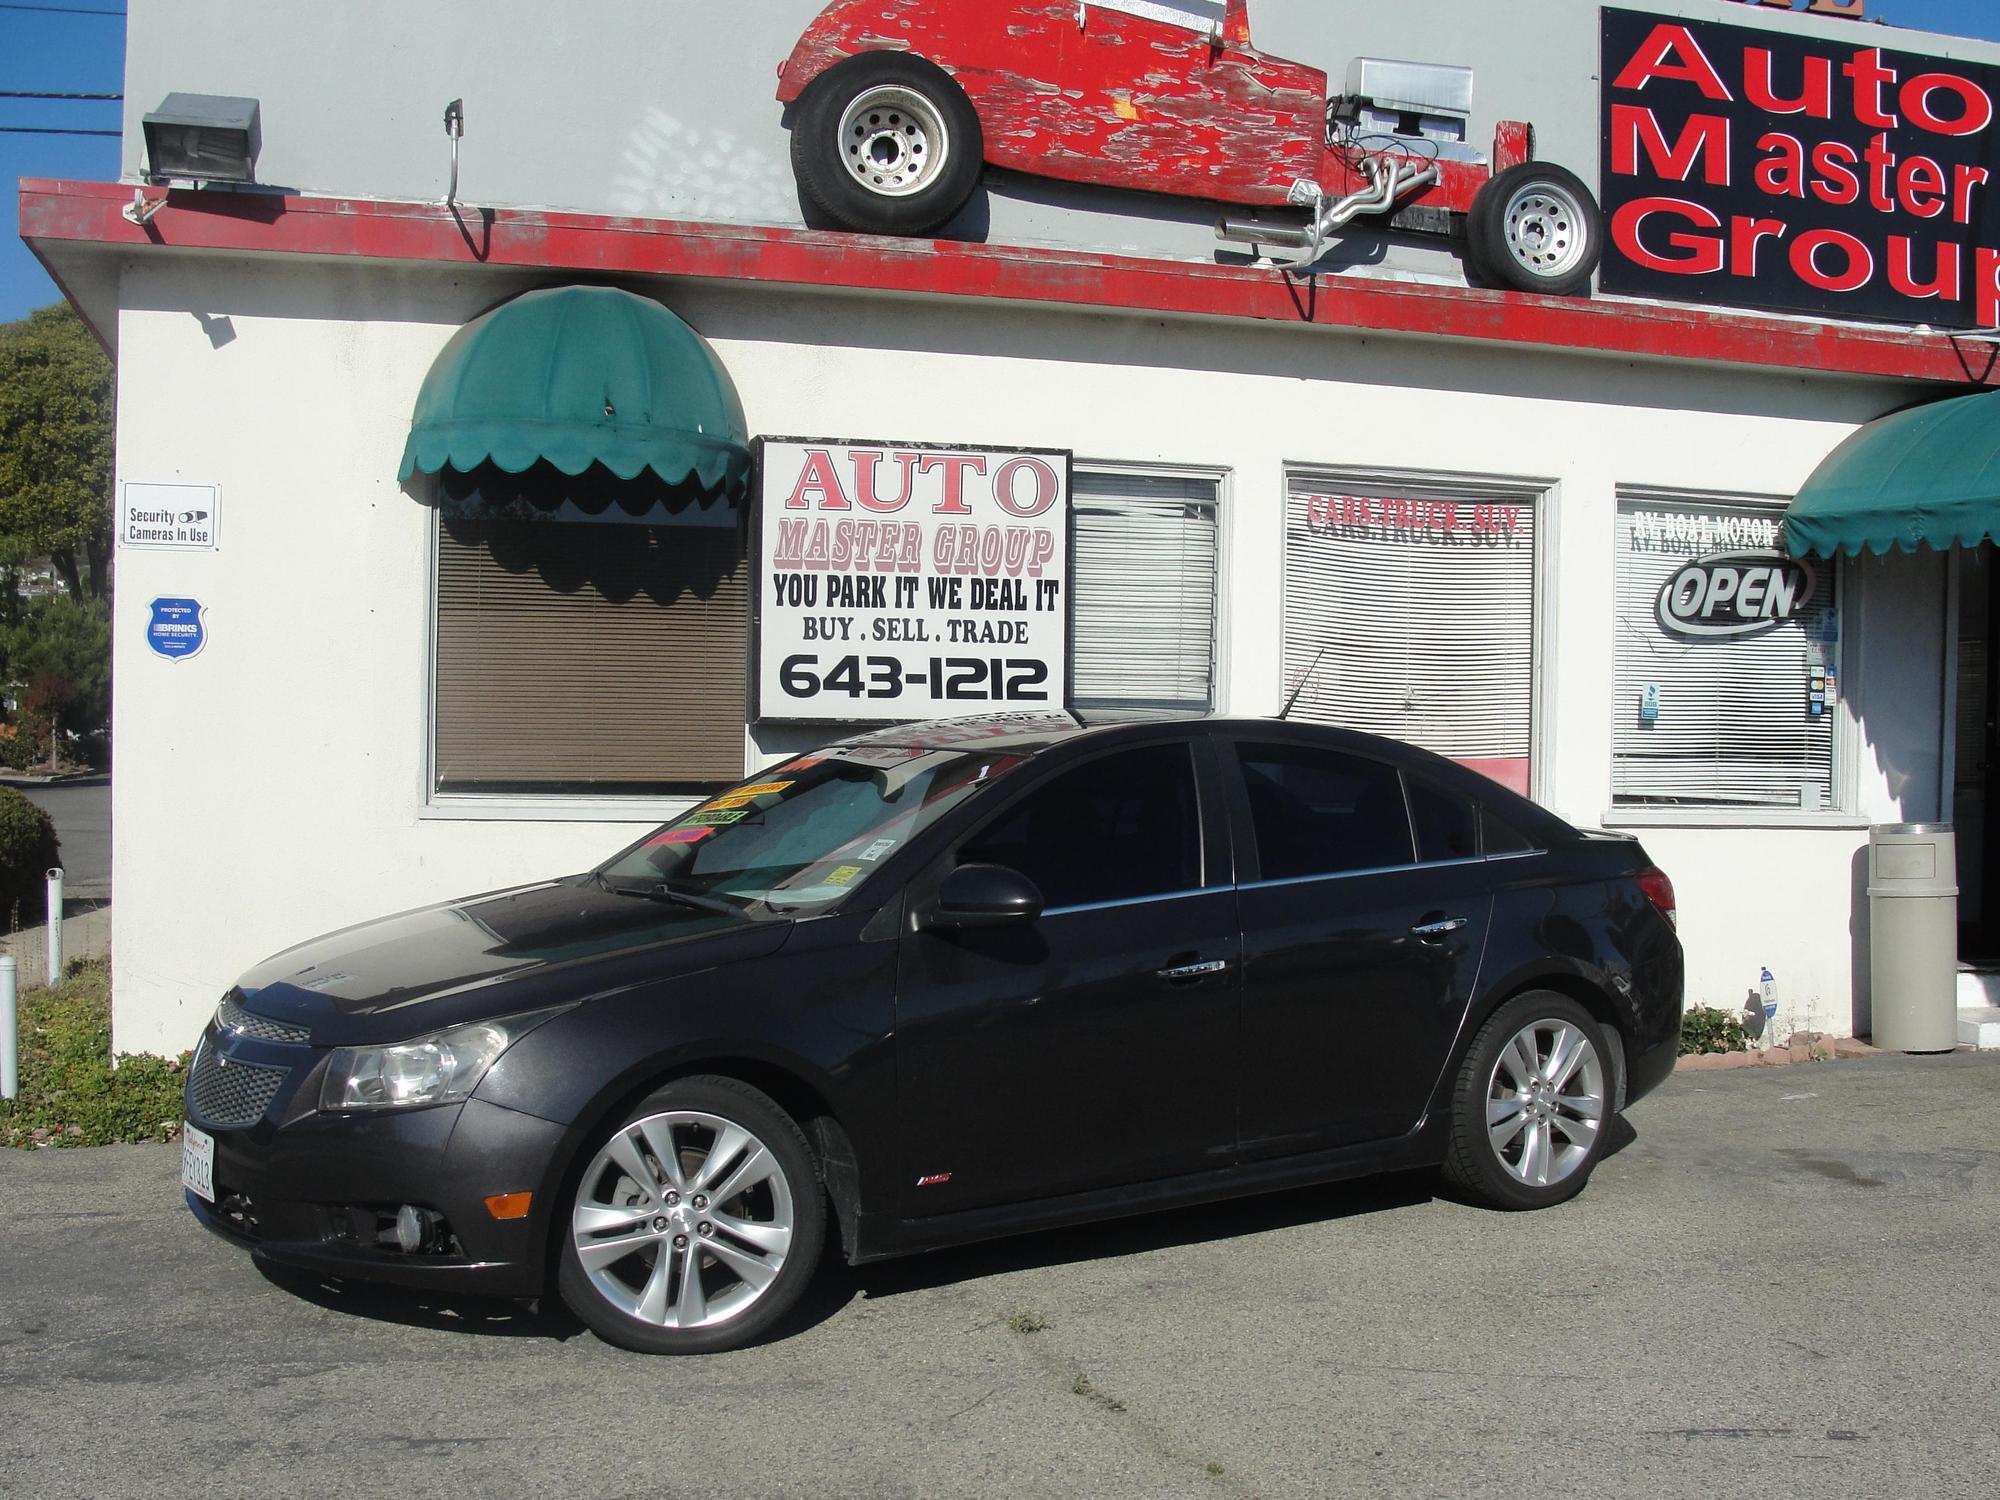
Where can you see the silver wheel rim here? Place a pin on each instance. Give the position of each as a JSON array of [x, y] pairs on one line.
[[683, 1220], [893, 141], [1546, 228], [1545, 1102]]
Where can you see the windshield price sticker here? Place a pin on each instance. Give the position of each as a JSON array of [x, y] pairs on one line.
[[901, 582]]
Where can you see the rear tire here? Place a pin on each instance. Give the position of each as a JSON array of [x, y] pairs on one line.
[[1529, 1111], [696, 1223], [1536, 228], [886, 143]]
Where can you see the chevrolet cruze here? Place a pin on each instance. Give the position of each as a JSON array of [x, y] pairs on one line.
[[932, 984]]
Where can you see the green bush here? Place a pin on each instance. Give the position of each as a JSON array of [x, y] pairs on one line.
[[27, 849], [70, 1094], [1705, 1029]]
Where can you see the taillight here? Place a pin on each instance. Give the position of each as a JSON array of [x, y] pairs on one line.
[[1659, 890]]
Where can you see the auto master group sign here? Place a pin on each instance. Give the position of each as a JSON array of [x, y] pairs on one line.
[[1816, 174], [898, 581]]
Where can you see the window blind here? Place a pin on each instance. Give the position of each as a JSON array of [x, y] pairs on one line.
[[1419, 609], [1733, 725], [595, 655], [1144, 589]]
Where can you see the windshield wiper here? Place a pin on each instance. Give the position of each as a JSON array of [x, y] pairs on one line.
[[661, 891]]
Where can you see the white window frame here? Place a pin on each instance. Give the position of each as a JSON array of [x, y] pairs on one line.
[[1544, 494], [1223, 480], [1842, 784]]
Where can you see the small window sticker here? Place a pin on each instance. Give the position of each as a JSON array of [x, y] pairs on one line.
[[876, 850], [712, 819], [842, 876], [679, 836]]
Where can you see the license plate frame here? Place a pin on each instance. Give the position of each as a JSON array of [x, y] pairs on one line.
[[198, 1162]]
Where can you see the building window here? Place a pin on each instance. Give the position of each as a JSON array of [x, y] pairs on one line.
[[1410, 612], [591, 637], [1728, 660], [1144, 585]]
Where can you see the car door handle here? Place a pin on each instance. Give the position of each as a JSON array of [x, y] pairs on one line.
[[1193, 971], [1438, 929]]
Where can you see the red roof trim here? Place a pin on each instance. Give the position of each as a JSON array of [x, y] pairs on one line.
[[88, 213]]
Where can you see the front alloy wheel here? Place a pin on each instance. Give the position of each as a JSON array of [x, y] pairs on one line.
[[1532, 1101], [696, 1224]]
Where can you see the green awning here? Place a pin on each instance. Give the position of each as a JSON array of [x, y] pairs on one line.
[[581, 375], [1927, 477]]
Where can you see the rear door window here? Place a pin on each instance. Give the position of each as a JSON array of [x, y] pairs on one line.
[[1322, 812], [1447, 823]]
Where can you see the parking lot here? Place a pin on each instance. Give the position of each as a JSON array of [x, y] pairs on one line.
[[1783, 1282]]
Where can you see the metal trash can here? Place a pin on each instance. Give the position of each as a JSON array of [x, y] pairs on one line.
[[1913, 936]]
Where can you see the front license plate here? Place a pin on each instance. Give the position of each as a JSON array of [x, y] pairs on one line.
[[198, 1162]]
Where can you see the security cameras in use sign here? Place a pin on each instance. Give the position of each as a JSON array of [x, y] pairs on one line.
[[1734, 594], [182, 516]]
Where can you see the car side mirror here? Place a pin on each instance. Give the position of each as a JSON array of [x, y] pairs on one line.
[[981, 895]]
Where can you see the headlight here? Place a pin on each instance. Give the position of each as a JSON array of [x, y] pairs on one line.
[[442, 1068]]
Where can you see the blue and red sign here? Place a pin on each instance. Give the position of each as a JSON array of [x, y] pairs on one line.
[[176, 629]]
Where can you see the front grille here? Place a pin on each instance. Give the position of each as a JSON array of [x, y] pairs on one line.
[[233, 1017], [223, 1091]]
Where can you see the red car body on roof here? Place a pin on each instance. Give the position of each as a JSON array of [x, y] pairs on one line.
[[1088, 93], [900, 101]]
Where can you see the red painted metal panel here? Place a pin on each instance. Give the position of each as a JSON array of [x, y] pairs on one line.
[[56, 214], [1086, 94]]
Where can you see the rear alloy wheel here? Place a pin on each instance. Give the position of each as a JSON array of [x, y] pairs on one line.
[[697, 1223], [1536, 228], [886, 143], [1532, 1101]]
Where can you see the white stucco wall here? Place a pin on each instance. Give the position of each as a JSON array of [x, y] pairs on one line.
[[272, 787]]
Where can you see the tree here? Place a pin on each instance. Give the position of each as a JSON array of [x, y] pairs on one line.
[[56, 423], [59, 655]]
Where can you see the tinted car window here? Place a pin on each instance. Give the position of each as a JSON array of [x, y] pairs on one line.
[[1447, 824], [1113, 829], [1502, 837], [1318, 812]]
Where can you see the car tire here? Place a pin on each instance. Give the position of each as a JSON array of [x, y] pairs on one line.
[[1531, 1106], [886, 143], [1536, 228], [695, 1223]]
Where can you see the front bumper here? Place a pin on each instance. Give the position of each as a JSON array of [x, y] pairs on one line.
[[311, 1191]]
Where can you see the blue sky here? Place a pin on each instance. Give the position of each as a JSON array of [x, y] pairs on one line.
[[69, 46]]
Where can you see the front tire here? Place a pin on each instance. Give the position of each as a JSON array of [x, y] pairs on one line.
[[886, 143], [1536, 228], [1530, 1108], [696, 1224]]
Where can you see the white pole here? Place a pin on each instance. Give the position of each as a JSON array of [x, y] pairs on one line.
[[10, 1082], [55, 925]]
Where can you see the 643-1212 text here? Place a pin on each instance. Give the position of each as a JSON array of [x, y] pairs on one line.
[[978, 679]]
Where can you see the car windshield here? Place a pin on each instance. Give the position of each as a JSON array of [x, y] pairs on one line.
[[808, 833]]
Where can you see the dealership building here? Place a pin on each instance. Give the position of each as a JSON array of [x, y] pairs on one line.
[[496, 479]]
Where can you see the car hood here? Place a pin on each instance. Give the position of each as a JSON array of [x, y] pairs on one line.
[[459, 961]]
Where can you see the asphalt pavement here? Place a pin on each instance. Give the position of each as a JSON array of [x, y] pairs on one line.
[[1783, 1282], [82, 814]]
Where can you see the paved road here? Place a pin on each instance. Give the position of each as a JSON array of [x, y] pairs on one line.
[[1785, 1284], [82, 813]]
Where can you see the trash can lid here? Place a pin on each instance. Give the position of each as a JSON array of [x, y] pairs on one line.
[[1905, 828]]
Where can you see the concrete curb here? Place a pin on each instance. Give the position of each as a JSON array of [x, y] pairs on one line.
[[1804, 1046]]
